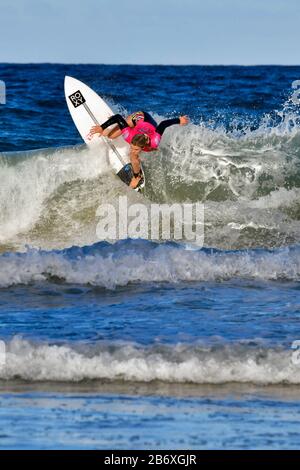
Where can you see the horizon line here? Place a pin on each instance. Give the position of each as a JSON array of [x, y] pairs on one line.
[[152, 64]]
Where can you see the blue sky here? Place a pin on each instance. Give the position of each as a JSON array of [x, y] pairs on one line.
[[151, 32]]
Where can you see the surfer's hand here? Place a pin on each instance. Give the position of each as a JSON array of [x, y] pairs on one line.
[[96, 130], [184, 120], [135, 181]]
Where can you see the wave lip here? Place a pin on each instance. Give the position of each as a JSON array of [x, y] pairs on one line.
[[197, 364], [141, 261]]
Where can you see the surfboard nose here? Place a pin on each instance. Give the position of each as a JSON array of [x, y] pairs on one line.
[[68, 79]]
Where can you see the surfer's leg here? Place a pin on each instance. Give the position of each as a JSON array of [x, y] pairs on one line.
[[165, 124]]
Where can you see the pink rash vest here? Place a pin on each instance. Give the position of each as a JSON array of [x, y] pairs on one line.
[[143, 127]]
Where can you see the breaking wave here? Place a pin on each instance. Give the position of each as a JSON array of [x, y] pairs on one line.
[[141, 261], [181, 363], [248, 180]]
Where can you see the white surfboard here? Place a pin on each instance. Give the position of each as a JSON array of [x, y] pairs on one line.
[[87, 110]]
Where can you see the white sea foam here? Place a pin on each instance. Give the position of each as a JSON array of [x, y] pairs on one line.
[[248, 180], [142, 261], [27, 181], [181, 363]]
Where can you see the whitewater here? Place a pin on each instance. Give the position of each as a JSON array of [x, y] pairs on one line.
[[248, 181]]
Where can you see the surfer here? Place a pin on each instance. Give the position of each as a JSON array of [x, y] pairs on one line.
[[141, 131]]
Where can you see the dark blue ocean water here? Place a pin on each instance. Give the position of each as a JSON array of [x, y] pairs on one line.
[[151, 343]]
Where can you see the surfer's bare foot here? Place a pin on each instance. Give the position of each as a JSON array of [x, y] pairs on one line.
[[184, 120]]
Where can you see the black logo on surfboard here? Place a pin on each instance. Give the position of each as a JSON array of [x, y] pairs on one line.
[[77, 99]]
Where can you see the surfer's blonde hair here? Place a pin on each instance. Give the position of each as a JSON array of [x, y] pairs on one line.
[[140, 140]]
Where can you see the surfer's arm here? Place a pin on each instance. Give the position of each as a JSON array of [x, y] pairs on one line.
[[135, 159], [136, 166], [116, 119], [165, 124], [182, 120]]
